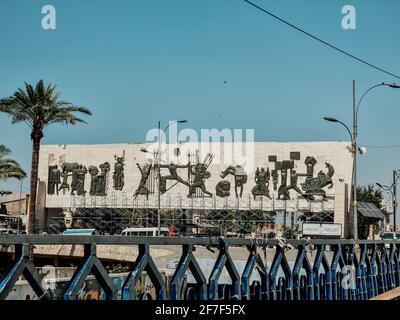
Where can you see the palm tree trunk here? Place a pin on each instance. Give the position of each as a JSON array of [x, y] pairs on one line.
[[34, 182]]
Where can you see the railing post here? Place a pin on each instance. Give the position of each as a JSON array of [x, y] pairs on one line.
[[187, 261], [224, 260], [253, 261], [302, 262], [90, 263], [280, 261], [144, 262], [22, 265]]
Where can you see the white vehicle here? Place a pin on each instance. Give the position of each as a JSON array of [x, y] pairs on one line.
[[80, 232], [10, 231], [145, 232]]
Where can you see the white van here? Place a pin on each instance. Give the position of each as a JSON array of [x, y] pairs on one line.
[[145, 232]]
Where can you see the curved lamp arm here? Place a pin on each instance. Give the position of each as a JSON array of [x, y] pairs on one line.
[[173, 122], [391, 85], [348, 130], [365, 93], [331, 119]]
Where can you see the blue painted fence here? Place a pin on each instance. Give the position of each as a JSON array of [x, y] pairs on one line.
[[356, 270]]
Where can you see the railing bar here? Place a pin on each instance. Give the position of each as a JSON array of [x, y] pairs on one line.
[[126, 240]]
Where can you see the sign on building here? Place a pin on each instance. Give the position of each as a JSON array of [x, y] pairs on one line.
[[322, 229]]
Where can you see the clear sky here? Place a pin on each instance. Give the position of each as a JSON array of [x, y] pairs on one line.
[[218, 63]]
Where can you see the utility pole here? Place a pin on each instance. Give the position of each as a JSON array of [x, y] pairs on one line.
[[394, 202], [393, 191], [159, 181], [157, 159], [354, 147]]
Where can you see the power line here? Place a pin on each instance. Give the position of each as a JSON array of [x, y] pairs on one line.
[[384, 147], [322, 41]]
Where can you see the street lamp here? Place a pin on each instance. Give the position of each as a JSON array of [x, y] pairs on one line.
[[157, 156], [353, 181], [354, 145], [159, 170], [393, 190]]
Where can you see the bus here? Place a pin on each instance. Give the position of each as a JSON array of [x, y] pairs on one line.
[[80, 232], [145, 232]]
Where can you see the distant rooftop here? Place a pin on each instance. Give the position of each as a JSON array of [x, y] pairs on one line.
[[13, 197]]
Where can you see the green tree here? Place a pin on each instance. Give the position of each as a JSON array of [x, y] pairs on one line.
[[39, 107], [9, 168], [369, 194]]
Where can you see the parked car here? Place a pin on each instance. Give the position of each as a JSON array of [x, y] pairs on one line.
[[10, 231]]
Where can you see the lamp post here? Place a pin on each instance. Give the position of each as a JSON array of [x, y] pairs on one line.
[[393, 191], [354, 150], [353, 179], [157, 157]]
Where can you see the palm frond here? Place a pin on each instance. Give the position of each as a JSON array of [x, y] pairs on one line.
[[40, 106], [12, 171], [9, 168], [4, 151], [6, 162]]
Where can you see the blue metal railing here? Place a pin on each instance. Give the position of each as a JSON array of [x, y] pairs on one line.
[[356, 271]]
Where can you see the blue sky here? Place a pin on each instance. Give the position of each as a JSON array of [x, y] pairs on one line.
[[218, 63]]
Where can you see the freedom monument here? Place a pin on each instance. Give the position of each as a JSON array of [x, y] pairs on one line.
[[266, 176]]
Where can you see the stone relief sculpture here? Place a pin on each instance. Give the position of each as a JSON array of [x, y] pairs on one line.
[[222, 189], [315, 185], [284, 166], [240, 176], [64, 184], [197, 174], [78, 180], [98, 184], [312, 185], [293, 185], [67, 170], [283, 193], [310, 163], [262, 183], [93, 171], [283, 178], [69, 166], [53, 180], [118, 175], [173, 175], [145, 173], [275, 177], [200, 175]]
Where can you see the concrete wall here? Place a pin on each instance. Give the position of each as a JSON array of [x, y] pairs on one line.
[[12, 204], [341, 209]]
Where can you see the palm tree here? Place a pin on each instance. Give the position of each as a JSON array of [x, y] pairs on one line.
[[9, 168], [39, 107]]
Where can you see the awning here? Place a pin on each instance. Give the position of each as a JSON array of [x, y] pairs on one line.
[[369, 210]]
